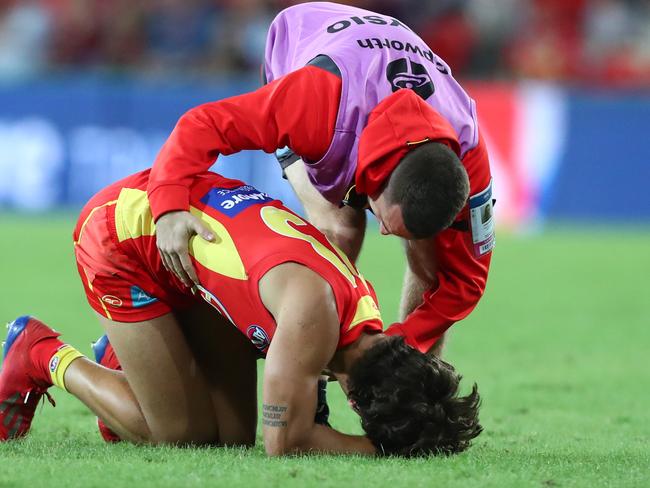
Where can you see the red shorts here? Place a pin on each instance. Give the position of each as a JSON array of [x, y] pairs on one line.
[[124, 280], [116, 287]]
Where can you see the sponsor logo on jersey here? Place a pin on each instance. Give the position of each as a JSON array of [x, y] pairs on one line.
[[232, 201], [258, 337], [404, 73], [54, 362], [139, 298], [112, 300]]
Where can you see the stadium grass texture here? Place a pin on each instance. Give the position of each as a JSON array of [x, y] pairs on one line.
[[559, 347]]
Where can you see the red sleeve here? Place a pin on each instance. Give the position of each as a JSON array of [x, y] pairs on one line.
[[461, 277], [298, 110], [461, 281]]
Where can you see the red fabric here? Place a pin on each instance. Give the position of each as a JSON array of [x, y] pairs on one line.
[[298, 110], [109, 269], [401, 118], [41, 352], [25, 374], [108, 273], [290, 112], [461, 277]]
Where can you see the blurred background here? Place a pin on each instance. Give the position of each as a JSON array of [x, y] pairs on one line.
[[89, 90]]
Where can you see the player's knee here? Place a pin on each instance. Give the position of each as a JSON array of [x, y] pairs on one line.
[[239, 430], [244, 439], [180, 433]]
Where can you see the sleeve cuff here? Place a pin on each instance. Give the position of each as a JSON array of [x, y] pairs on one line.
[[168, 198], [397, 329]]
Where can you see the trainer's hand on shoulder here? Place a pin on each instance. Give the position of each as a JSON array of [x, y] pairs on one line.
[[173, 233]]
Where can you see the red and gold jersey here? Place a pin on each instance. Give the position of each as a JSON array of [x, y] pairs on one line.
[[126, 281]]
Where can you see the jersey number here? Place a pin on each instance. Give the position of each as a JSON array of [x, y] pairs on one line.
[[278, 221]]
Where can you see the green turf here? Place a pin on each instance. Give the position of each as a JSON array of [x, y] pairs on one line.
[[558, 346]]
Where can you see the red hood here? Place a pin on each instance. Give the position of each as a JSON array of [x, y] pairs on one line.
[[397, 125]]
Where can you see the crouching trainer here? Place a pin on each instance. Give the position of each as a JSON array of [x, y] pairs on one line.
[[361, 113]]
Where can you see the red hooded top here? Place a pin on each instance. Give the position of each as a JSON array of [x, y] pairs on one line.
[[400, 122], [299, 111]]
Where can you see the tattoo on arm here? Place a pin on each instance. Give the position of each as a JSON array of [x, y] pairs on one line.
[[273, 415]]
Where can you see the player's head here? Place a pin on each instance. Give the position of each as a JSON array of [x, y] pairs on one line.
[[409, 403], [424, 193]]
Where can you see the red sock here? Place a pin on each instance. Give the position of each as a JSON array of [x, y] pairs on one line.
[[40, 355]]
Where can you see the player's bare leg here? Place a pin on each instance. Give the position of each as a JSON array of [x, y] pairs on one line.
[[165, 394], [108, 395], [162, 395], [228, 361], [345, 226], [419, 276]]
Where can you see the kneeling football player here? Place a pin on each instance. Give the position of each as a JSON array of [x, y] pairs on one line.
[[270, 285]]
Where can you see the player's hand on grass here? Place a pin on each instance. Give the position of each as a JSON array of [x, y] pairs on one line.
[[173, 233]]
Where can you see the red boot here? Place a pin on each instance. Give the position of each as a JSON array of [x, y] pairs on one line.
[[24, 377]]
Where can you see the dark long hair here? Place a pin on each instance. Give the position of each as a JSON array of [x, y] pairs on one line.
[[409, 403]]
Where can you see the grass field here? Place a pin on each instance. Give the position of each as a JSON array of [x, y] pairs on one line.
[[559, 347]]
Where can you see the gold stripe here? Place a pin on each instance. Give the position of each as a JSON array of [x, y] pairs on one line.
[[83, 226], [347, 193], [90, 285], [344, 257], [366, 310], [64, 357], [278, 220], [221, 255], [415, 143], [133, 219], [133, 216]]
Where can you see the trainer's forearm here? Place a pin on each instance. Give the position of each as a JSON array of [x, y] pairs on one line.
[[458, 280], [412, 291]]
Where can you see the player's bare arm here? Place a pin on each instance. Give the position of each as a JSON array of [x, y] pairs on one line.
[[305, 340]]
